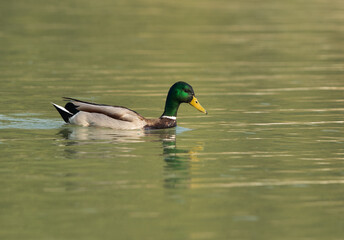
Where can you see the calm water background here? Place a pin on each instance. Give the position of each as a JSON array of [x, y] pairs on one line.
[[266, 163]]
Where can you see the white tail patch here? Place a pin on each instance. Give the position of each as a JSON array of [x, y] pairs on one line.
[[62, 108]]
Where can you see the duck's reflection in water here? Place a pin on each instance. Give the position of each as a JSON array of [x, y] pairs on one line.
[[179, 162], [83, 135]]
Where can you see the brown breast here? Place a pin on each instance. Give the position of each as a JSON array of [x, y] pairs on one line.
[[160, 123]]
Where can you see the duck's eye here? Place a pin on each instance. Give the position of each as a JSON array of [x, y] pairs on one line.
[[187, 90]]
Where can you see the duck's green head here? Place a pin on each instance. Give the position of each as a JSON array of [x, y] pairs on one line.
[[181, 92]]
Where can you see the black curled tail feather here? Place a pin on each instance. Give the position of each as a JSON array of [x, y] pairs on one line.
[[65, 114], [71, 108]]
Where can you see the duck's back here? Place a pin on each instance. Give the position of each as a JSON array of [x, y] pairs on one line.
[[91, 114]]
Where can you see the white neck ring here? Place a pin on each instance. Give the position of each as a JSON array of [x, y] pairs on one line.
[[169, 117]]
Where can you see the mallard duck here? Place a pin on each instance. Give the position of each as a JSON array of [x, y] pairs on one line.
[[117, 117]]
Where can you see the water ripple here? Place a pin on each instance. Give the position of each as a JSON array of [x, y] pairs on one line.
[[26, 121], [267, 184]]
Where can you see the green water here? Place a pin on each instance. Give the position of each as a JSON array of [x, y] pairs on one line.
[[265, 163]]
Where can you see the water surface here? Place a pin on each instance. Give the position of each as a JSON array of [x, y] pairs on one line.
[[265, 163]]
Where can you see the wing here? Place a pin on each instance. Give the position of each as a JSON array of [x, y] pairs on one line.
[[115, 112]]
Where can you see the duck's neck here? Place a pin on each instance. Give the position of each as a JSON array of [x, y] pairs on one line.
[[171, 107]]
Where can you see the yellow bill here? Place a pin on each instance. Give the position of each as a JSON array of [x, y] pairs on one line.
[[194, 102]]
